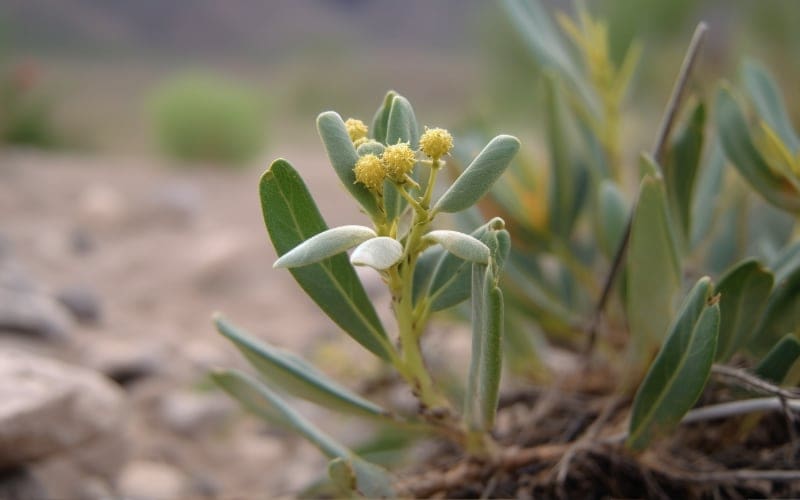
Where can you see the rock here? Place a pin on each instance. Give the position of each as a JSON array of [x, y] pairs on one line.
[[82, 302], [17, 483], [176, 204], [148, 480], [50, 408], [125, 361], [81, 241], [192, 413], [102, 206], [33, 313]]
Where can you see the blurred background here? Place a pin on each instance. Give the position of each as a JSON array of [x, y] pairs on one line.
[[132, 135]]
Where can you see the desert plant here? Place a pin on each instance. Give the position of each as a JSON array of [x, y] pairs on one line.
[[391, 173], [200, 118]]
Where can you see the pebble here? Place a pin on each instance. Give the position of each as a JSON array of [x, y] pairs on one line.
[[82, 303], [150, 480]]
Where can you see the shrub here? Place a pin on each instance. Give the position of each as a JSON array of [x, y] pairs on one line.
[[209, 119], [26, 114]]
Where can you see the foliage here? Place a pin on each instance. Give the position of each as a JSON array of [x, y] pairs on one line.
[[26, 113], [696, 284], [199, 118]]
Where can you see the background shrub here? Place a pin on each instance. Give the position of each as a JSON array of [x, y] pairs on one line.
[[210, 119]]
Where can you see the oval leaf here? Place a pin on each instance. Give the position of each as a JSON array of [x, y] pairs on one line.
[[371, 148], [654, 277], [323, 245], [380, 121], [460, 244], [781, 315], [491, 357], [740, 150], [378, 253], [402, 124], [679, 373], [478, 178], [682, 165], [768, 101], [343, 156], [295, 376], [291, 217], [744, 291]]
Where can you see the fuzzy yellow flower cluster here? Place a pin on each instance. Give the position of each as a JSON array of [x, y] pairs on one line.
[[436, 142], [396, 161], [356, 129], [370, 172]]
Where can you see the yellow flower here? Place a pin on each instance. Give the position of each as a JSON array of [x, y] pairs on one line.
[[436, 142], [356, 129], [370, 172], [399, 160]]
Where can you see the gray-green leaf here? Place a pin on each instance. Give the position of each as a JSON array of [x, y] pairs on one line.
[[478, 178], [653, 272], [295, 376], [261, 400], [378, 253], [459, 244], [323, 245], [679, 373], [343, 157], [291, 217], [779, 361], [740, 150], [743, 290], [769, 103]]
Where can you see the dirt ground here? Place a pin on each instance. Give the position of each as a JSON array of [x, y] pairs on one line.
[[162, 249]]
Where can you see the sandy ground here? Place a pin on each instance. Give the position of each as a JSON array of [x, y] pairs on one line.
[[163, 248]]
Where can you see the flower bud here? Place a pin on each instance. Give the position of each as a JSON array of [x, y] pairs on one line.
[[399, 160], [436, 142], [370, 172], [356, 129]]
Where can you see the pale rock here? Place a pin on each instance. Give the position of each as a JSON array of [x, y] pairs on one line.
[[150, 480], [50, 407], [194, 413]]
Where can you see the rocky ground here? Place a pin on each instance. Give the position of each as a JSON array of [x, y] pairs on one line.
[[109, 272]]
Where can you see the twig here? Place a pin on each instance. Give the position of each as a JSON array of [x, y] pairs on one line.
[[753, 382], [726, 476], [668, 121]]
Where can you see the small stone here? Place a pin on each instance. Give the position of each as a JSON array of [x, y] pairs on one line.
[[149, 480], [101, 205], [82, 302], [81, 241], [33, 313]]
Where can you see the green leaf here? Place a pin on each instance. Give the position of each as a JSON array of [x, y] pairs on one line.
[[740, 150], [449, 275], [291, 217], [478, 178], [459, 244], [491, 363], [779, 360], [679, 373], [781, 315], [561, 167], [262, 401], [682, 166], [612, 216], [534, 25], [787, 261], [295, 376], [378, 253], [653, 272], [769, 103], [743, 291], [323, 245], [371, 148], [480, 284], [380, 123], [343, 157], [402, 125]]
